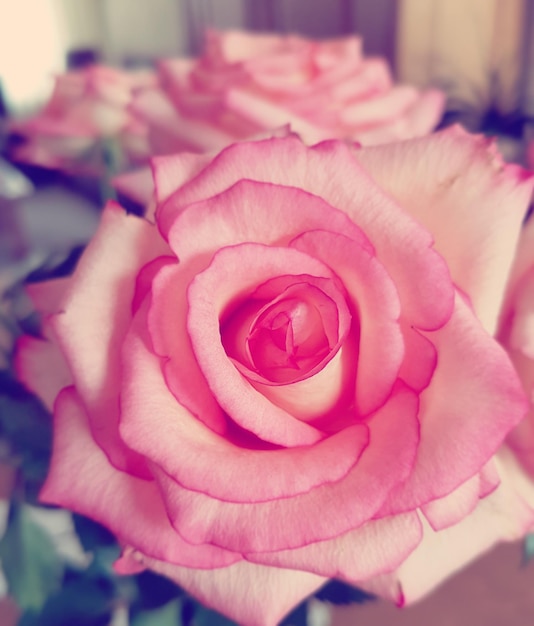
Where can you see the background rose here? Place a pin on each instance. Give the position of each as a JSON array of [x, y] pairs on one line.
[[517, 335], [245, 83], [86, 107], [306, 393]]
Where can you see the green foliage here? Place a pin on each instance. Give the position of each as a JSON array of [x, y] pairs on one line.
[[167, 615], [26, 427], [83, 599], [31, 564], [207, 617], [528, 548]]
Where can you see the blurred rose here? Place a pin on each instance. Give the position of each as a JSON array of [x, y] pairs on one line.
[[87, 107], [290, 375], [517, 335], [245, 83]]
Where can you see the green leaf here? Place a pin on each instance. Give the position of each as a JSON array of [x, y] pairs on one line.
[[207, 617], [82, 601], [31, 564], [337, 592], [167, 615], [528, 548], [27, 427]]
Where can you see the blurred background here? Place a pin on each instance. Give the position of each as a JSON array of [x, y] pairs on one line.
[[478, 51]]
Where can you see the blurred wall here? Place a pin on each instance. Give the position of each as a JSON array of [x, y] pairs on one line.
[[473, 49], [141, 28]]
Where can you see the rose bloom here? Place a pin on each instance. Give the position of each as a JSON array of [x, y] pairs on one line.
[[288, 374], [517, 335], [86, 107], [245, 83]]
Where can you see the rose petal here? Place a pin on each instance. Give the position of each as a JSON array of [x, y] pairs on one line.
[[209, 296], [454, 172], [95, 317], [169, 172], [155, 425], [523, 261], [239, 591], [259, 111], [130, 507], [310, 517], [137, 185], [253, 212], [452, 508], [176, 132], [380, 108], [374, 296], [47, 296], [505, 515], [460, 431], [41, 366], [378, 546], [330, 171]]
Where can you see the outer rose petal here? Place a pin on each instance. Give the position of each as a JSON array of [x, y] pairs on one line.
[[460, 431], [96, 312], [171, 172], [250, 594], [48, 295], [384, 106], [233, 46], [417, 120], [174, 131], [516, 333], [505, 515], [378, 546], [452, 508], [41, 366], [245, 83], [454, 173], [309, 517], [256, 109], [137, 185], [130, 507]]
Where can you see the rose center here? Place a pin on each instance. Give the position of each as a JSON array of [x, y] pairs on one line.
[[286, 339], [287, 330]]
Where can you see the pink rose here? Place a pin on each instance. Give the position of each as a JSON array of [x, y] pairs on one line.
[[86, 107], [290, 375], [517, 335], [245, 83]]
